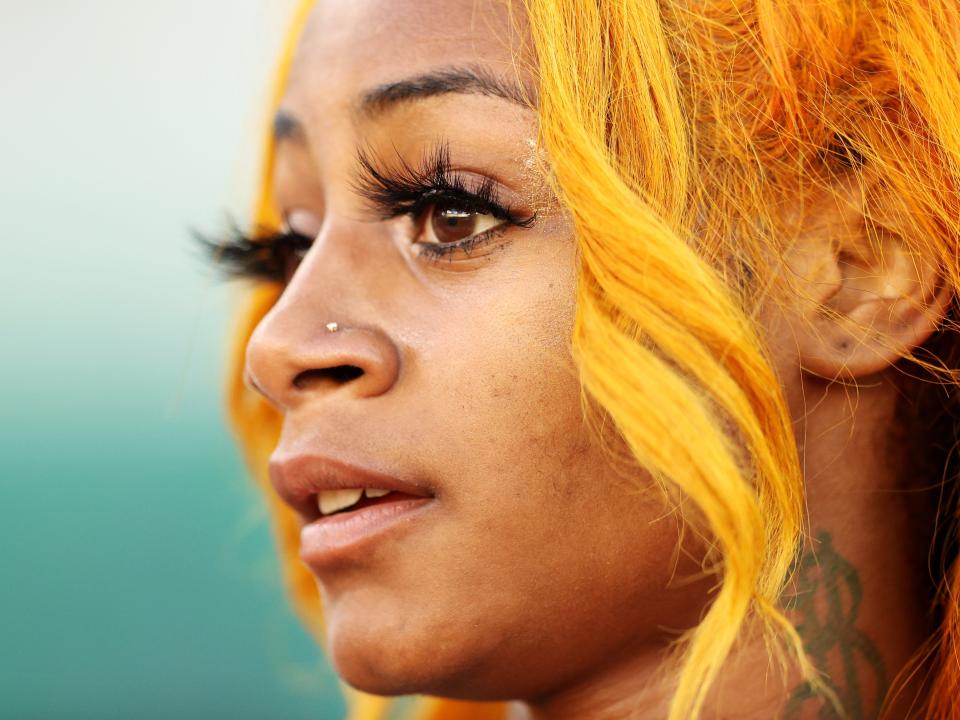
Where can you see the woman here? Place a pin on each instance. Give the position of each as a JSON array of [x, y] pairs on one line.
[[600, 362]]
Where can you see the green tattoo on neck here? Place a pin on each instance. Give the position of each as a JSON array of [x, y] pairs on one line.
[[827, 607]]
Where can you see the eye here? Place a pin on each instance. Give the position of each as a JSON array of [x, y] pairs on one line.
[[301, 226], [447, 222], [301, 222]]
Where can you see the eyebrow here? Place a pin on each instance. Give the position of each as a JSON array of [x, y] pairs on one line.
[[444, 81], [466, 80]]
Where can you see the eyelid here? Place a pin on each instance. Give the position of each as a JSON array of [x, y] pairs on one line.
[[302, 222], [401, 188]]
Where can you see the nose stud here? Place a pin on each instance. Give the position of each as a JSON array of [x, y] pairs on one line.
[[332, 327]]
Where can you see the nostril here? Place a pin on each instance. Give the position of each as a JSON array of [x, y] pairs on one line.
[[327, 376], [345, 373]]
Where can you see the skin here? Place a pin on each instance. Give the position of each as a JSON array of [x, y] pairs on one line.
[[539, 575]]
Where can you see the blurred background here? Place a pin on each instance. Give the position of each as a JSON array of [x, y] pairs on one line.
[[137, 575]]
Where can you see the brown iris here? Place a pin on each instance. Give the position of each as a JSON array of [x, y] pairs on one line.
[[450, 224]]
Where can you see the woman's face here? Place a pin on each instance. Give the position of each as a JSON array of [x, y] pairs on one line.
[[531, 566]]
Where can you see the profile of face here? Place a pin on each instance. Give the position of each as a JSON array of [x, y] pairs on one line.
[[406, 155]]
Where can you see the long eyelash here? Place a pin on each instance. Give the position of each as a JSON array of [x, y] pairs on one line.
[[404, 190], [409, 190], [262, 256]]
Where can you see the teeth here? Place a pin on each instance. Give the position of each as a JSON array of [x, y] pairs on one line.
[[330, 501], [375, 492]]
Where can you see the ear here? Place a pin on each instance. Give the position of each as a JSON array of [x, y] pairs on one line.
[[867, 298]]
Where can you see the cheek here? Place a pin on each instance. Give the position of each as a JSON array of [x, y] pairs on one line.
[[540, 561]]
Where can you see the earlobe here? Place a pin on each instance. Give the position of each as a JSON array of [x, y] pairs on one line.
[[874, 335], [872, 298]]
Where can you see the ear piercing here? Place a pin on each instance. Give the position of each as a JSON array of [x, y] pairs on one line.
[[332, 327]]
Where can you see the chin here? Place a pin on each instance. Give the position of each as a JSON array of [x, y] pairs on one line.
[[395, 659]]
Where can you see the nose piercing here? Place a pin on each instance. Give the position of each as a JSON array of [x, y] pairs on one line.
[[332, 327]]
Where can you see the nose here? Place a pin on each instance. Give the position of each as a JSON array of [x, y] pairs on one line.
[[292, 359]]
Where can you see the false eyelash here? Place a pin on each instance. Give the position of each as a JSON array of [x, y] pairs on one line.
[[263, 256], [409, 190], [405, 190]]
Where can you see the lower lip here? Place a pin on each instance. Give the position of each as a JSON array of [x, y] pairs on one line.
[[334, 538]]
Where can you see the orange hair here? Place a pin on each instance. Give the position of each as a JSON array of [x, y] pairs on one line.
[[673, 129]]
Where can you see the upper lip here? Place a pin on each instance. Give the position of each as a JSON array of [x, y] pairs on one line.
[[298, 478]]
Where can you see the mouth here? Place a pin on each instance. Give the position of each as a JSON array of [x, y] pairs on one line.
[[353, 531], [346, 509]]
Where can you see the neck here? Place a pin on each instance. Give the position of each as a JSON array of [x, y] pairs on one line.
[[861, 598], [864, 592]]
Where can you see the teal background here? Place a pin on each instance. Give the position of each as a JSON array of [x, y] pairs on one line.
[[137, 574]]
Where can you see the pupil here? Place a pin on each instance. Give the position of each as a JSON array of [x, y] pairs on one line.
[[452, 224]]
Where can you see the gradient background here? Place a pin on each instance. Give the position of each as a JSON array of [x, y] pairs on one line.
[[137, 575]]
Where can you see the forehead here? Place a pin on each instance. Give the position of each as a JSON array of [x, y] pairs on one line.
[[350, 46]]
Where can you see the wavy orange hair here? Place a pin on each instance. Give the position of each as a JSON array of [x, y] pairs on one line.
[[673, 131]]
